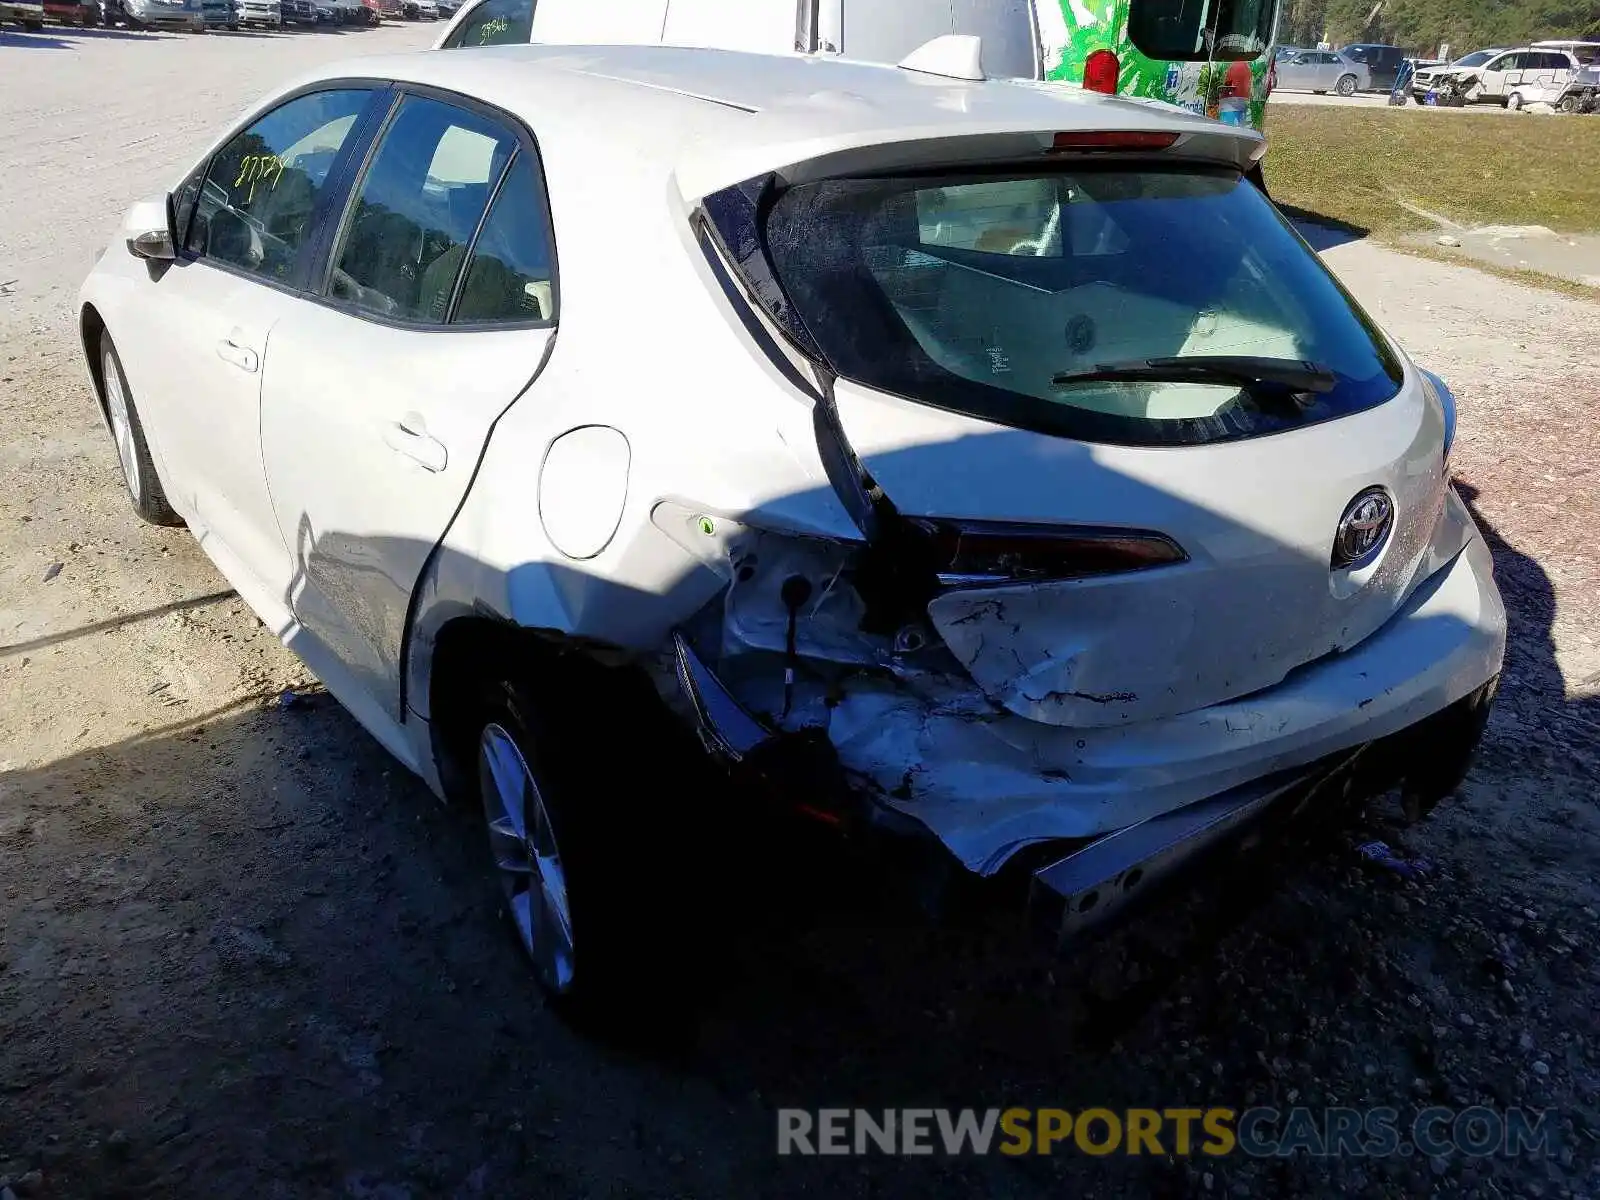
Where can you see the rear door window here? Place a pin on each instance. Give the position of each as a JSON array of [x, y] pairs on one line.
[[510, 272], [417, 209], [977, 294]]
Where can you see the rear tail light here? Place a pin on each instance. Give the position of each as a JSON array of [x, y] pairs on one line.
[[977, 553], [1102, 139], [1100, 71]]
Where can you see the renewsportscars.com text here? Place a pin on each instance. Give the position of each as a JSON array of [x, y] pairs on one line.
[[1259, 1132]]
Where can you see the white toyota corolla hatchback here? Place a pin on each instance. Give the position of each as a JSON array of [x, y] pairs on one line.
[[975, 460]]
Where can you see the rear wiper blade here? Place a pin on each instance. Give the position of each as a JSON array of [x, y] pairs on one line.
[[1254, 375]]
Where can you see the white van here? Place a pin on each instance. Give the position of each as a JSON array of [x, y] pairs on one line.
[[867, 30], [1212, 57]]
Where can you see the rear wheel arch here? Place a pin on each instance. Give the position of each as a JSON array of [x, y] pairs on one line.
[[470, 655]]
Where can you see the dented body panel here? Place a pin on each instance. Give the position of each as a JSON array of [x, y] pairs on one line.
[[1257, 597], [987, 781]]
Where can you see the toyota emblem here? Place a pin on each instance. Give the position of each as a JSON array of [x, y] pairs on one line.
[[1363, 529]]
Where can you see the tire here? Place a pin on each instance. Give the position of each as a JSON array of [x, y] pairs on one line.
[[1514, 102], [1346, 86], [589, 868], [127, 434]]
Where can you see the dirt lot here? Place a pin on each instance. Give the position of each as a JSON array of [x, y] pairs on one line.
[[243, 955]]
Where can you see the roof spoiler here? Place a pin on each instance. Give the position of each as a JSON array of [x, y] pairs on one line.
[[954, 55]]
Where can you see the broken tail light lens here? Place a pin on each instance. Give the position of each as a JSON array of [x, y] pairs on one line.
[[975, 553]]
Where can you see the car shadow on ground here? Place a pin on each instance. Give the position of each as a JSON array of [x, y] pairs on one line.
[[1534, 684], [38, 41], [255, 945], [269, 925], [1323, 233]]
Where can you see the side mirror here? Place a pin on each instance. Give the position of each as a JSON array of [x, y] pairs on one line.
[[148, 229]]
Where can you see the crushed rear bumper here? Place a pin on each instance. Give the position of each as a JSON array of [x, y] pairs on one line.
[[989, 783], [1095, 885]]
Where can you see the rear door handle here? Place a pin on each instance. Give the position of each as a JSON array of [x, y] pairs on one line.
[[409, 436], [231, 349]]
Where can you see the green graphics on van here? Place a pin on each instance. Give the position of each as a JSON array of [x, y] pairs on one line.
[[1210, 57]]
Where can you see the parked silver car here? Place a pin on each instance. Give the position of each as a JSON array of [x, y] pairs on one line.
[[1322, 71], [182, 14]]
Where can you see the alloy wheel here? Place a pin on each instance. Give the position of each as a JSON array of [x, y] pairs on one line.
[[121, 425], [523, 842]]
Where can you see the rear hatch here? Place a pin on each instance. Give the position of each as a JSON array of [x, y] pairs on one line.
[[1127, 410]]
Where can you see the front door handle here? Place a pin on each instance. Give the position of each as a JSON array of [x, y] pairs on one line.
[[231, 349], [409, 436]]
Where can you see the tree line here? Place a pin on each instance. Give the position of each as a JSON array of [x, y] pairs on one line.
[[1421, 26]]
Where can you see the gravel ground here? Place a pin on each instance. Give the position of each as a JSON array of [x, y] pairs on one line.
[[241, 954]]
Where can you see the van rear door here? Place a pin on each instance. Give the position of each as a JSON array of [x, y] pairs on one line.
[[873, 31]]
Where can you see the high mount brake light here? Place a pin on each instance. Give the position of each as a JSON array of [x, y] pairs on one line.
[[1100, 71], [1101, 139], [974, 553]]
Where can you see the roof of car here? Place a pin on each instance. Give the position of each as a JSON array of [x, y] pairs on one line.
[[721, 116]]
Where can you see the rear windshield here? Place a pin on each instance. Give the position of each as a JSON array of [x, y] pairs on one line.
[[973, 293], [1201, 30]]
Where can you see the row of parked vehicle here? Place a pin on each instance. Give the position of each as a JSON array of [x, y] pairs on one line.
[[1564, 74], [1560, 73], [199, 15]]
